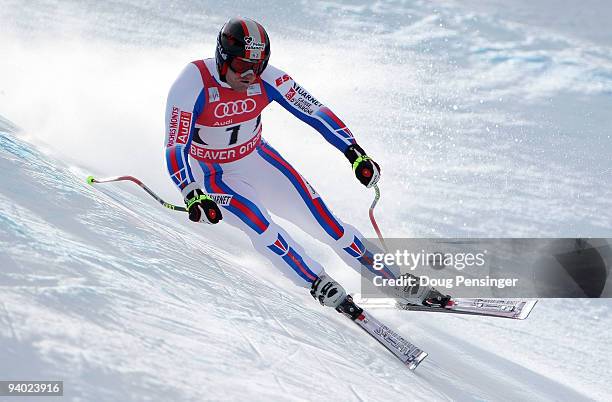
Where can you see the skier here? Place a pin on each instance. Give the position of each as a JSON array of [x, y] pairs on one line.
[[216, 156]]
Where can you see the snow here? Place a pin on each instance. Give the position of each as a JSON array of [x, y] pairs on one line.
[[486, 123]]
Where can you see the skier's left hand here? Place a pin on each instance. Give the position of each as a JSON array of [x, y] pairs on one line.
[[366, 170]]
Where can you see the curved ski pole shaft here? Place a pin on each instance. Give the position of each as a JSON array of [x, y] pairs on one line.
[[376, 198], [92, 180]]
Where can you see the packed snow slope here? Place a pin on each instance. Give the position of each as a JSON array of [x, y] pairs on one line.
[[126, 301], [485, 122]]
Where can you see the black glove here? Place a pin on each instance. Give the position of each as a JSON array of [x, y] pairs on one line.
[[202, 208], [366, 170]]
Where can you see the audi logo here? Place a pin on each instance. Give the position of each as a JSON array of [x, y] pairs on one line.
[[228, 109]]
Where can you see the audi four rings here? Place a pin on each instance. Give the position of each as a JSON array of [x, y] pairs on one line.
[[228, 109]]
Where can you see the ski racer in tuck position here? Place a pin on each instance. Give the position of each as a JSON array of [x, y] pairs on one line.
[[216, 156]]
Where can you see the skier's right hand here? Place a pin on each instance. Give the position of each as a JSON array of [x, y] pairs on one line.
[[202, 208]]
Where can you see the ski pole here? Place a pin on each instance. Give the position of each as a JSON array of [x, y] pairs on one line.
[[376, 198], [91, 180]]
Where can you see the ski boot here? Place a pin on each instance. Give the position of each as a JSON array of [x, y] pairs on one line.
[[327, 291], [436, 299], [419, 295]]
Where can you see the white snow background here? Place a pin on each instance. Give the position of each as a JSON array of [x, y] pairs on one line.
[[488, 119]]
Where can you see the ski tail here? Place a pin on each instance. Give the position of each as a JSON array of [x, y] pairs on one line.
[[404, 350]]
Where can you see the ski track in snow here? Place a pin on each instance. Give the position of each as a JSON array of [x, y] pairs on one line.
[[495, 127]]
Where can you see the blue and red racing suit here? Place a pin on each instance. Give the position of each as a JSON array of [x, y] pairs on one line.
[[214, 143]]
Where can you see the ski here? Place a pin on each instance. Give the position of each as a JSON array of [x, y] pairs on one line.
[[517, 309], [403, 349]]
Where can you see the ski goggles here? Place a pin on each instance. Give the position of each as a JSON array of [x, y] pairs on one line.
[[240, 65]]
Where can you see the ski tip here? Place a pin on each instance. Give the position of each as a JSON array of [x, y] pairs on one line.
[[90, 180], [529, 305], [415, 363]]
